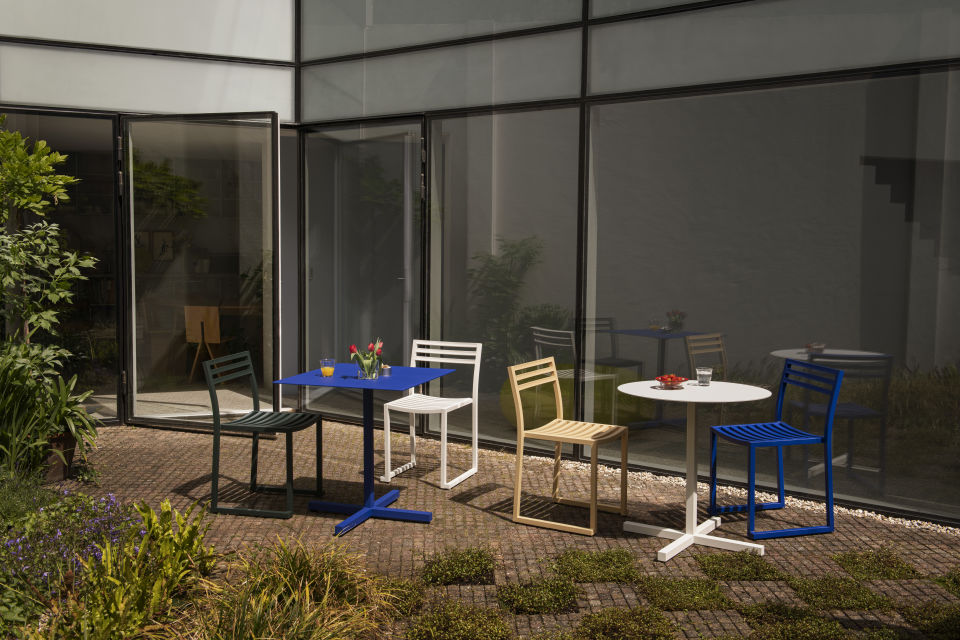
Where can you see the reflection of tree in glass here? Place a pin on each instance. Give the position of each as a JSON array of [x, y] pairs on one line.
[[160, 190], [498, 319]]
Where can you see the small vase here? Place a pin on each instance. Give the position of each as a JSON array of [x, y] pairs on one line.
[[369, 374]]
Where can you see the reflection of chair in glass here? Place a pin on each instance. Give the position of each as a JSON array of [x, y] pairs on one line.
[[559, 431], [426, 353], [868, 376], [560, 341], [202, 326], [707, 350], [238, 367], [603, 330], [812, 379]]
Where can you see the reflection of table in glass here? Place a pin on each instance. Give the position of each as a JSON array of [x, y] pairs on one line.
[[803, 354], [693, 394], [345, 376], [661, 337]]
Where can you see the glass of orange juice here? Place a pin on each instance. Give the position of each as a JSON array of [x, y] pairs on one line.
[[326, 367]]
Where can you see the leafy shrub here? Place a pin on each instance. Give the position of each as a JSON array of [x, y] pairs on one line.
[[460, 566], [637, 623], [835, 592], [132, 583], [552, 595], [21, 496], [612, 565], [296, 594], [879, 564], [682, 594], [741, 565], [452, 620]]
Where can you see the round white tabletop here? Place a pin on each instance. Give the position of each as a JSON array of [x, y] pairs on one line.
[[692, 392], [803, 354]]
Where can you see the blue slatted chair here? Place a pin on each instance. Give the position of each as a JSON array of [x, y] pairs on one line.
[[238, 366], [814, 379]]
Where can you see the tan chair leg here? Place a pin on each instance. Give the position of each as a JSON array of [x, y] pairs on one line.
[[593, 489], [557, 449], [516, 482]]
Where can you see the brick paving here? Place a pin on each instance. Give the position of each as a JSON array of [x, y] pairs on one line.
[[153, 465]]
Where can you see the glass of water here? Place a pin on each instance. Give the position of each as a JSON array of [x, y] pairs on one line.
[[703, 376]]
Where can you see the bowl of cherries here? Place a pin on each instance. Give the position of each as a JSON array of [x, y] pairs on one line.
[[671, 381]]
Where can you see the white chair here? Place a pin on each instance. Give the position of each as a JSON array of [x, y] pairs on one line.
[[426, 352]]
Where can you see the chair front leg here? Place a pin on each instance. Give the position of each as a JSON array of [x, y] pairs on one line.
[[593, 488], [387, 470], [557, 449], [443, 450], [289, 443], [828, 482], [253, 462], [516, 481], [751, 490], [215, 473]]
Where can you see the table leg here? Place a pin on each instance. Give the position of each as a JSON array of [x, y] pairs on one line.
[[372, 507], [692, 533]]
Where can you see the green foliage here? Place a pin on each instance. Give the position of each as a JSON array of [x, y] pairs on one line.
[[161, 191], [550, 595], [741, 565], [296, 594], [406, 597], [638, 623], [474, 565], [936, 621], [879, 564], [775, 621], [452, 620], [836, 592], [612, 565], [36, 403], [950, 581], [20, 497], [133, 583], [682, 594]]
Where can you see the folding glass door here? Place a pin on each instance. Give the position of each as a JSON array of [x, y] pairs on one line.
[[201, 193], [362, 246]]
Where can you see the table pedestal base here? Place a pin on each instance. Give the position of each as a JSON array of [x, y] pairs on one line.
[[682, 540], [361, 513]]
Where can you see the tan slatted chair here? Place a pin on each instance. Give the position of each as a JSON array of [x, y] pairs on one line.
[[707, 350], [559, 431]]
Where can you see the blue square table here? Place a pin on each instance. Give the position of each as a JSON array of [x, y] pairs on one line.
[[345, 376]]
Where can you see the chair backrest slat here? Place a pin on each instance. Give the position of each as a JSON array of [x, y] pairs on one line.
[[813, 378], [704, 344], [225, 369], [537, 373], [445, 352]]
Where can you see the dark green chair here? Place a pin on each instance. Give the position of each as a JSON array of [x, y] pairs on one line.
[[238, 366]]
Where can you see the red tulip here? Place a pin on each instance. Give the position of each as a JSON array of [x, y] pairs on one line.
[[353, 348], [380, 351], [370, 347]]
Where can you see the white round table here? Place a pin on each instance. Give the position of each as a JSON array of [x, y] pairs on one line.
[[693, 394], [803, 354]]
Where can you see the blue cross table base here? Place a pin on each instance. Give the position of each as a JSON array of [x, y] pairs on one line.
[[345, 376]]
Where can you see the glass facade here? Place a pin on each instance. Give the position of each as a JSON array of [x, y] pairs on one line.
[[778, 172]]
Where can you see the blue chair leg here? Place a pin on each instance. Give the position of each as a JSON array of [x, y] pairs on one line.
[[828, 475], [781, 494], [751, 490]]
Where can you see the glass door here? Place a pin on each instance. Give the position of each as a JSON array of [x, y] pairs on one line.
[[201, 193], [362, 246]]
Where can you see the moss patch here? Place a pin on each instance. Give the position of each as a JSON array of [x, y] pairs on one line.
[[775, 621], [452, 620], [950, 581], [741, 565], [879, 564], [460, 566], [638, 623], [553, 595], [682, 594], [936, 621], [835, 592], [613, 565]]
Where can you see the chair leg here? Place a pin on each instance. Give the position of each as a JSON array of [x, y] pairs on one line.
[[254, 453], [624, 451], [215, 473], [712, 509], [751, 491], [443, 450], [388, 471], [593, 488], [557, 449], [828, 484], [781, 490], [516, 482], [412, 420], [289, 443]]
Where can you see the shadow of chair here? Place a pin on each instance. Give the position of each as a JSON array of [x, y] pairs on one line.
[[562, 343], [870, 376], [238, 367], [533, 375]]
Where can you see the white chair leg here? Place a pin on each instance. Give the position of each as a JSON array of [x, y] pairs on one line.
[[388, 472], [413, 438], [443, 453]]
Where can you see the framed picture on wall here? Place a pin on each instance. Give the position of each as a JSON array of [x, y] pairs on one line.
[[163, 245]]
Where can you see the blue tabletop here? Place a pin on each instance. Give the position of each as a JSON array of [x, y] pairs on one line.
[[345, 375]]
